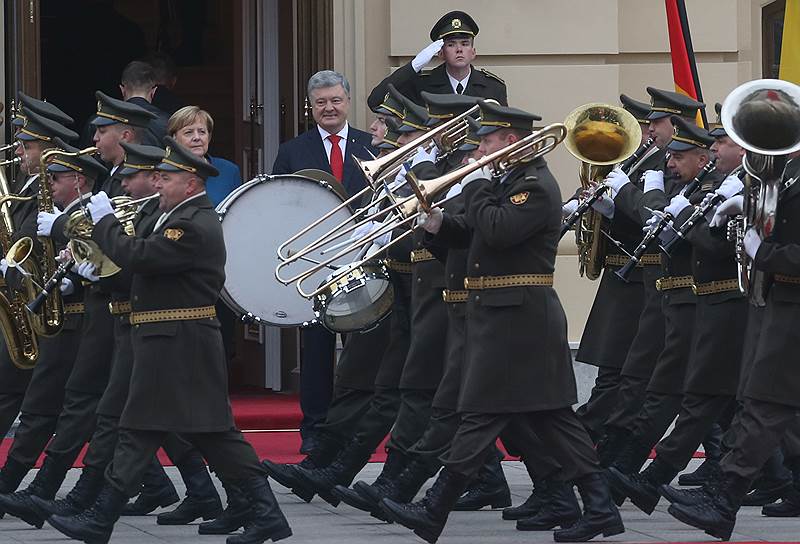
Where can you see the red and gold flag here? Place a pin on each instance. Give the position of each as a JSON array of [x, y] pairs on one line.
[[684, 68]]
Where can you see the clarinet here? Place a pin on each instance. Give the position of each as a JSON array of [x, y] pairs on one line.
[[657, 227], [62, 270], [692, 220], [638, 154]]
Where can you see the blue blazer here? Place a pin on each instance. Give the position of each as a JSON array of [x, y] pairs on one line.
[[229, 178], [307, 151]]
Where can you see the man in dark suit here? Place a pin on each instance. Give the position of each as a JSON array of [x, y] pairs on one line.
[[138, 86], [330, 147], [453, 41]]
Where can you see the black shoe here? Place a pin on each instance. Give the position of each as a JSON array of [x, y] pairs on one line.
[[688, 497], [202, 501], [707, 469], [80, 498], [490, 488], [642, 487], [287, 476], [11, 475], [157, 492], [767, 492], [96, 524], [600, 516], [45, 485], [559, 508], [265, 521], [341, 472], [789, 507], [308, 445], [20, 506], [233, 517], [531, 506], [427, 517], [717, 516]]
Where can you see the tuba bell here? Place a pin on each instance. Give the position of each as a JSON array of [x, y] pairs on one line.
[[762, 116], [600, 136]]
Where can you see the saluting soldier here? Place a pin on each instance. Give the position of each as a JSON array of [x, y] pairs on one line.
[[453, 40], [511, 228], [178, 272]]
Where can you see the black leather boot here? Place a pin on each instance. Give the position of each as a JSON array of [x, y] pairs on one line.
[[427, 517], [157, 491], [712, 445], [341, 472], [44, 485], [202, 499], [11, 475], [694, 495], [789, 507], [96, 524], [532, 504], [600, 516], [629, 461], [396, 461], [489, 489], [717, 516], [773, 483], [234, 516], [80, 498], [642, 487], [559, 508], [266, 521], [286, 474], [611, 444]]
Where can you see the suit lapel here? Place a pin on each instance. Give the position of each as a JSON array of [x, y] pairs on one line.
[[319, 150]]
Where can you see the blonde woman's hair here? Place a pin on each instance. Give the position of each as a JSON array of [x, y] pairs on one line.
[[186, 116]]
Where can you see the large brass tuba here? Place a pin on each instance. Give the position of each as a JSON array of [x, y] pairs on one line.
[[600, 136], [762, 116]]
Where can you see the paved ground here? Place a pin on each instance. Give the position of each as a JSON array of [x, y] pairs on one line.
[[318, 522]]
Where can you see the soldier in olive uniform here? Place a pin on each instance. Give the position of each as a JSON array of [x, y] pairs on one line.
[[452, 40], [178, 272], [516, 335]]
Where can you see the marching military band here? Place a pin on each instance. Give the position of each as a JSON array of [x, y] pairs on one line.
[[691, 232]]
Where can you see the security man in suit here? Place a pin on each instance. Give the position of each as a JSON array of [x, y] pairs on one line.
[[329, 147], [511, 228], [178, 272], [453, 40]]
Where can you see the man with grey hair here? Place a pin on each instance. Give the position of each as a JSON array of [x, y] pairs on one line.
[[329, 147]]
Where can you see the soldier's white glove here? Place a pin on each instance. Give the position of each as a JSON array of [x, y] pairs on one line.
[[649, 223], [569, 208], [752, 241], [425, 156], [732, 206], [66, 286], [432, 221], [426, 55], [100, 206], [604, 206], [732, 186], [677, 205], [86, 270], [616, 180], [653, 180], [3, 267], [480, 173], [368, 228], [45, 220]]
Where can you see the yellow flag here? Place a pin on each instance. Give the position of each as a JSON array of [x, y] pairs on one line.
[[790, 46]]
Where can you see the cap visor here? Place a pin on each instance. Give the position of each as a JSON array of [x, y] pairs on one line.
[[164, 167], [127, 171], [679, 146], [53, 167], [102, 121], [486, 129], [658, 115], [718, 132]]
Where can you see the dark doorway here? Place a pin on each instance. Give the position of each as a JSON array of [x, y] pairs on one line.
[[771, 36]]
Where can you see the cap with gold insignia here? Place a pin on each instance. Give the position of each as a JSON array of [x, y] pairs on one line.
[[111, 110], [452, 24], [687, 135], [84, 164], [494, 117], [716, 129], [666, 103], [179, 159], [38, 127], [140, 158], [392, 134], [472, 141], [640, 110], [45, 109], [415, 117], [442, 107], [392, 103]]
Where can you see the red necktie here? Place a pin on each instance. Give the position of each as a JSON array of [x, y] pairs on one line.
[[337, 162]]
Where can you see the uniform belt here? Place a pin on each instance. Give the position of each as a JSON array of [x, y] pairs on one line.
[[398, 266], [74, 308], [783, 278], [652, 259], [674, 282], [515, 280], [716, 286], [177, 314], [421, 255], [454, 296], [119, 307]]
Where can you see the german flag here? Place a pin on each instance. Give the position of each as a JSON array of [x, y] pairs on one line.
[[790, 46], [684, 68]]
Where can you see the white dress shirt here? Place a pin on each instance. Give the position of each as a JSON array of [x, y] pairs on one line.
[[454, 82], [327, 143]]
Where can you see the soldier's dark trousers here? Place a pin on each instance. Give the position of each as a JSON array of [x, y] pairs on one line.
[[348, 408], [696, 418], [316, 376], [33, 434], [560, 430], [438, 435], [380, 417], [412, 419], [631, 393], [75, 424], [228, 453], [657, 413], [602, 401], [10, 404]]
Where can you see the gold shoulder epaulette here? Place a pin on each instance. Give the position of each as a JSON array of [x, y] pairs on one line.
[[425, 72], [493, 76]]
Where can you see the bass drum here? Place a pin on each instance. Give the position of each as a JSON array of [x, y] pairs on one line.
[[256, 219]]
